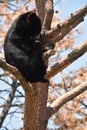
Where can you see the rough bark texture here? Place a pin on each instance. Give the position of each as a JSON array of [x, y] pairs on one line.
[[35, 107]]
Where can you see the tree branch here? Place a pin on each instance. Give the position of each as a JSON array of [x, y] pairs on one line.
[[71, 57], [49, 10], [15, 72], [9, 101], [40, 6], [59, 102], [60, 31], [48, 54]]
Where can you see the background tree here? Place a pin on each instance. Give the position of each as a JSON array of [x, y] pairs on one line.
[[43, 103]]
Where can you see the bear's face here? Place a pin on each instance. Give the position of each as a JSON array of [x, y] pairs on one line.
[[30, 23]]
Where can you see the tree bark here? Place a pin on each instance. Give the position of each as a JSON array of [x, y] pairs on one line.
[[49, 10], [40, 7], [35, 107]]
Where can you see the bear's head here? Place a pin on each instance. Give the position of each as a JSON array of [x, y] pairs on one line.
[[28, 23]]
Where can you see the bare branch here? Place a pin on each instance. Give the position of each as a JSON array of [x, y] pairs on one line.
[[11, 105], [71, 57], [15, 72], [9, 101], [48, 54], [49, 10], [40, 6], [59, 102], [60, 31]]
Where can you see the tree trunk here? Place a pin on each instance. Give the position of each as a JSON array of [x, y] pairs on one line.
[[35, 107]]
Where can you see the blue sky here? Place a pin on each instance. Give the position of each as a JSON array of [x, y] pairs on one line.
[[69, 6], [66, 7]]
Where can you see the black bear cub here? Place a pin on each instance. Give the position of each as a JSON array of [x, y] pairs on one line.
[[22, 50]]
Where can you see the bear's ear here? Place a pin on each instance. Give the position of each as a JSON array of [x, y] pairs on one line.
[[32, 16]]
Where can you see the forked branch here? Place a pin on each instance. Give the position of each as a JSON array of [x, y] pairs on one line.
[[13, 70], [71, 57], [59, 102], [61, 31]]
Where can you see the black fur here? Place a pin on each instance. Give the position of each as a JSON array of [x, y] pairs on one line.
[[21, 49]]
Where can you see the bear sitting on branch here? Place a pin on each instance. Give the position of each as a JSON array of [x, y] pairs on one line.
[[22, 50]]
